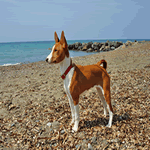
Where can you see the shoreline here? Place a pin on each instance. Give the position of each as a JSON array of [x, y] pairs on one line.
[[95, 44]]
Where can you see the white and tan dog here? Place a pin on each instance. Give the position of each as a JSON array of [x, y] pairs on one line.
[[78, 78]]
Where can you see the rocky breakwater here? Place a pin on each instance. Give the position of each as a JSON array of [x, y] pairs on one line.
[[99, 47]]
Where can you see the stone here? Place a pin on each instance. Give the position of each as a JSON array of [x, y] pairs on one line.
[[90, 50], [112, 48], [84, 48], [71, 46], [49, 124], [124, 45], [128, 43], [89, 44], [55, 125], [77, 44], [80, 48], [94, 140], [62, 131], [96, 45], [107, 48], [102, 48], [83, 44], [90, 146], [78, 146], [117, 44]]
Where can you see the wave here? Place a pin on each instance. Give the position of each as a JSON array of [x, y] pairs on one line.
[[9, 64]]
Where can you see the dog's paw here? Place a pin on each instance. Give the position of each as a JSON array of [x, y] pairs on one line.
[[75, 128], [108, 125]]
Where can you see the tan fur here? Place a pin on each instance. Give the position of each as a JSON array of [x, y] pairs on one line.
[[85, 77]]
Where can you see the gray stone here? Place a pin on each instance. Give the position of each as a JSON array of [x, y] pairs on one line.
[[55, 125], [49, 124], [112, 48], [78, 146], [94, 140], [77, 44], [90, 50], [62, 131], [90, 146]]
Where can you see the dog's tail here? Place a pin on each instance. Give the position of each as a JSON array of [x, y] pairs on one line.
[[102, 62]]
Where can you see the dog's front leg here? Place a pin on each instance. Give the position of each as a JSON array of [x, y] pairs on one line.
[[77, 117], [71, 107]]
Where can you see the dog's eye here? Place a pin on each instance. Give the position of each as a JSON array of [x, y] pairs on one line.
[[55, 50]]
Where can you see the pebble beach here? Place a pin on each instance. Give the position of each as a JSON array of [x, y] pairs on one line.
[[35, 112]]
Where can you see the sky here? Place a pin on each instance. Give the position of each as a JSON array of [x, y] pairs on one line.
[[37, 20]]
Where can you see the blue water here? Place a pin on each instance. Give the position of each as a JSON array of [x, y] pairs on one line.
[[25, 52]]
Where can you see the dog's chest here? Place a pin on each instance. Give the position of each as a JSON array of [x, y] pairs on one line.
[[67, 80]]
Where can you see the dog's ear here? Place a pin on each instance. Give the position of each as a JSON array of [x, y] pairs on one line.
[[56, 37], [63, 39], [64, 43]]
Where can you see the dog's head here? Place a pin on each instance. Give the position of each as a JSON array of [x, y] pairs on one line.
[[59, 50]]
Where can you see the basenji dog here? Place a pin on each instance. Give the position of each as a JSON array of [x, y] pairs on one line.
[[78, 79]]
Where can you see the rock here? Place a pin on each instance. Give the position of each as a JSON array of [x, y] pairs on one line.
[[62, 131], [12, 124], [83, 44], [71, 46], [89, 44], [96, 45], [84, 48], [128, 43], [124, 45], [77, 44], [81, 135], [90, 146], [90, 50], [49, 124], [94, 140], [112, 48], [78, 146], [102, 48], [117, 44], [104, 143], [107, 48], [115, 140], [55, 125], [80, 47]]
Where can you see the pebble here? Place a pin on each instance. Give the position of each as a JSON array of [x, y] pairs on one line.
[[94, 140], [90, 146], [49, 124], [12, 124], [55, 125], [77, 146], [62, 131]]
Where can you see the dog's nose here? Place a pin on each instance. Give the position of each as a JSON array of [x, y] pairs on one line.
[[46, 59]]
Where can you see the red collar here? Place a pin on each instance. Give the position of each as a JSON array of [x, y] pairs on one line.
[[66, 72]]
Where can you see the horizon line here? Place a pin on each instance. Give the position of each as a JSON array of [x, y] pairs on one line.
[[77, 40]]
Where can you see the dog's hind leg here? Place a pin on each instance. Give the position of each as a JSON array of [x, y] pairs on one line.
[[101, 96], [107, 96]]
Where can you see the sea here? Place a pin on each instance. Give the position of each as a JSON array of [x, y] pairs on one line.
[[14, 53]]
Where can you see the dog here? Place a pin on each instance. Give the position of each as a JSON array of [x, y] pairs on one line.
[[78, 79]]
